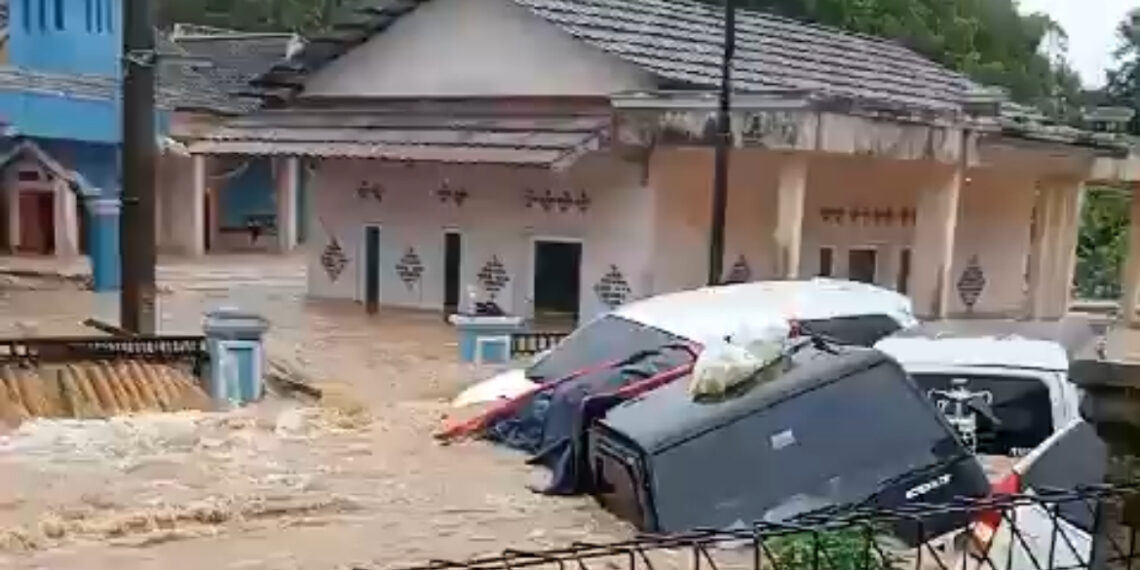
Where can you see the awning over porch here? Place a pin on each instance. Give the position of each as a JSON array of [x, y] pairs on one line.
[[544, 140]]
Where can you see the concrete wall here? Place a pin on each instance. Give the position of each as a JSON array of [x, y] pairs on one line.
[[655, 231], [490, 47], [494, 221]]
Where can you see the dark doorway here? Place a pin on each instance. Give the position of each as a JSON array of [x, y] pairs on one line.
[[372, 269], [861, 265], [452, 246], [207, 220], [81, 213], [557, 275], [37, 222]]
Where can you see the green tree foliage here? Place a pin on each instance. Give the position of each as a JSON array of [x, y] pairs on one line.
[[1124, 80], [987, 40], [1104, 223], [1102, 243]]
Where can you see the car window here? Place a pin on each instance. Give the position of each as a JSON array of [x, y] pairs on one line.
[[608, 338], [1074, 459], [1021, 404]]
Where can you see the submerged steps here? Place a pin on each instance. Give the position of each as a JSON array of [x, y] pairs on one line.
[[95, 389]]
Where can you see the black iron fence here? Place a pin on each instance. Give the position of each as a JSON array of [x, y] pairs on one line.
[[1051, 530], [531, 343]]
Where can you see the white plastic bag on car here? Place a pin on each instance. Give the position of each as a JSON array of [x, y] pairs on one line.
[[722, 365]]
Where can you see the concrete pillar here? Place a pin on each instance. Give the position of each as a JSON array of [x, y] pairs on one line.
[[286, 179], [103, 243], [936, 221], [1053, 249], [66, 221], [1068, 198], [790, 195], [194, 241], [12, 205], [1130, 280], [235, 342]]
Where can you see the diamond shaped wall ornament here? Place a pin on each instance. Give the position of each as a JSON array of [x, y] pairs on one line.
[[410, 268], [493, 276], [612, 289], [971, 283], [740, 272], [333, 260]]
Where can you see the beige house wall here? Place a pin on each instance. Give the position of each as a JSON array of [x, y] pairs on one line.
[[652, 224], [461, 48]]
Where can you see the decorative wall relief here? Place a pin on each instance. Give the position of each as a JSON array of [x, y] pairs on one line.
[[740, 272], [493, 276], [563, 201], [613, 289], [370, 190], [333, 259], [446, 193], [862, 215], [971, 283], [410, 268]]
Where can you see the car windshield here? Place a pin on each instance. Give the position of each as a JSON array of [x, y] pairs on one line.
[[608, 338]]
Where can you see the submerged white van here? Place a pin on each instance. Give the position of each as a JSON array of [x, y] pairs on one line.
[[852, 312]]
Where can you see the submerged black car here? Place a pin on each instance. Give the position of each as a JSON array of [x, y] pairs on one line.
[[844, 427]]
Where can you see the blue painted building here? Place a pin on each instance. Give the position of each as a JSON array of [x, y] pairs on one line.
[[59, 155], [59, 78]]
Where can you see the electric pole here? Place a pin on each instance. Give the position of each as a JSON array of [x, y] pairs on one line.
[[137, 222], [723, 147]]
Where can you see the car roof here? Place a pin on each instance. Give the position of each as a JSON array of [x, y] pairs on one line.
[[708, 314], [976, 351], [640, 419]]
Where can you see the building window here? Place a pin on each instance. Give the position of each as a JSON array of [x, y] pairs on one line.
[[26, 5], [87, 12], [826, 261], [97, 14], [43, 15], [903, 279], [58, 14], [108, 10]]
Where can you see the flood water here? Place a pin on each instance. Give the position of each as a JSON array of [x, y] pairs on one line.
[[280, 485]]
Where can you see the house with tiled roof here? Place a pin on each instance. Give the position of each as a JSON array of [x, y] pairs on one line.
[[556, 156], [237, 192], [59, 99]]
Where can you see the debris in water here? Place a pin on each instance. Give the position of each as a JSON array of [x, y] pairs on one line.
[[92, 390]]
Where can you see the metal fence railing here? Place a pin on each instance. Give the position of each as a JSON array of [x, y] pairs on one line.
[[1023, 532]]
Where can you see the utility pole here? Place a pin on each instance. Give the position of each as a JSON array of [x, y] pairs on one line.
[[722, 148], [137, 223]]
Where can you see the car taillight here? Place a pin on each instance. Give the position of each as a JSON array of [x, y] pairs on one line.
[[987, 522]]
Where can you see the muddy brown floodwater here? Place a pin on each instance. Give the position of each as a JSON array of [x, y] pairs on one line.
[[279, 485]]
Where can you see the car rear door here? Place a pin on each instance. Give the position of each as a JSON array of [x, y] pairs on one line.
[[1022, 401]]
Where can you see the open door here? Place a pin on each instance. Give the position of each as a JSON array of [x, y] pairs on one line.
[[372, 269], [452, 248], [557, 278]]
